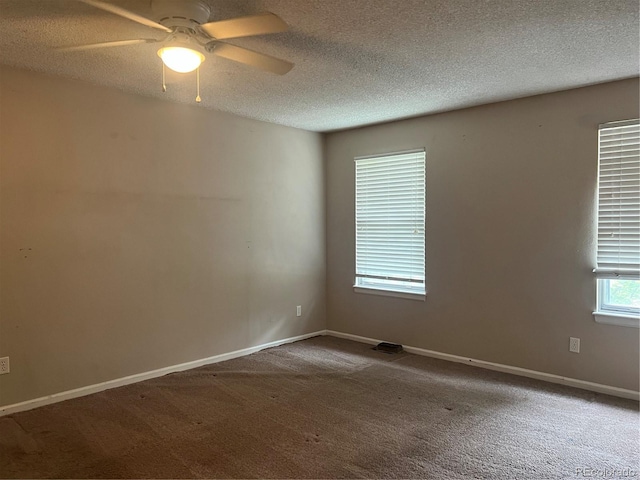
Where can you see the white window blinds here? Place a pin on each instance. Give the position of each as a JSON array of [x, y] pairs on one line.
[[390, 222], [619, 199]]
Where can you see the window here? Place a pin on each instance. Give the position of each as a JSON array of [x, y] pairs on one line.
[[390, 224], [618, 224]]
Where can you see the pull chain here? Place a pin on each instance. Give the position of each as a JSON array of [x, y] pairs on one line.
[[164, 85], [198, 99]]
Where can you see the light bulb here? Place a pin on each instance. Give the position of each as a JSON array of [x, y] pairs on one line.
[[181, 59]]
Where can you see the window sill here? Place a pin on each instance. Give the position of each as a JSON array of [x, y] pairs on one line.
[[618, 319], [390, 293]]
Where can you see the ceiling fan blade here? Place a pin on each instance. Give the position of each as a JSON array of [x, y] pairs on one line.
[[254, 59], [126, 14], [91, 46], [245, 26]]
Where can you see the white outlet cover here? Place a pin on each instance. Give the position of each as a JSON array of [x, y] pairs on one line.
[[299, 310], [4, 365], [574, 345]]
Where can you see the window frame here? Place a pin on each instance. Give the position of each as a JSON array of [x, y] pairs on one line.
[[394, 287], [607, 312], [604, 294]]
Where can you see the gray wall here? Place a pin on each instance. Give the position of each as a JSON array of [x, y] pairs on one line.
[[162, 233], [510, 235], [138, 234]]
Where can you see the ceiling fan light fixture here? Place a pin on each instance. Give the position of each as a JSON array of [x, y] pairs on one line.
[[191, 35], [181, 59]]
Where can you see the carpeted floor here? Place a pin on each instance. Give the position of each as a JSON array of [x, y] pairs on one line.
[[328, 408]]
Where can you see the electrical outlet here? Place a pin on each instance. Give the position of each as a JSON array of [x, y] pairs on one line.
[[299, 311], [4, 365], [574, 345]]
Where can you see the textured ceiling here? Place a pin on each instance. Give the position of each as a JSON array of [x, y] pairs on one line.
[[357, 61]]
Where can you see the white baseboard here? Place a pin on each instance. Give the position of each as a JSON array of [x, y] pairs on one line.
[[139, 377], [523, 372], [119, 382]]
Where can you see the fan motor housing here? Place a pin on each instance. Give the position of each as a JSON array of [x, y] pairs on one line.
[[181, 14]]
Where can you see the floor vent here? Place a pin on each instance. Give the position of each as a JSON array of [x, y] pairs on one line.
[[388, 347]]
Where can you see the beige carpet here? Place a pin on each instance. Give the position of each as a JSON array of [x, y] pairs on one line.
[[327, 408]]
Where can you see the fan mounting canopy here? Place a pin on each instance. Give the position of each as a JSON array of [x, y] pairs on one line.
[[184, 13]]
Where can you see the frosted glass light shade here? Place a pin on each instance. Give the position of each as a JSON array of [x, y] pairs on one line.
[[181, 59]]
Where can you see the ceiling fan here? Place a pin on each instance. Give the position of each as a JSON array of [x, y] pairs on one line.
[[189, 35]]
